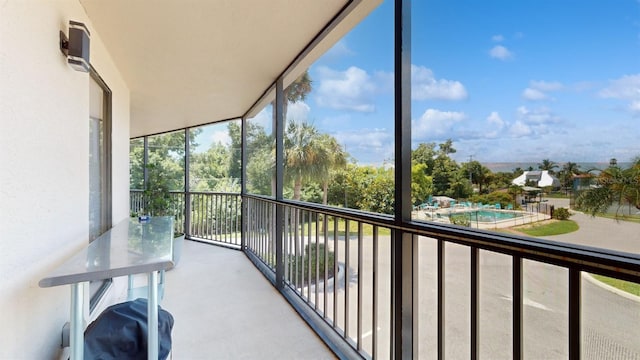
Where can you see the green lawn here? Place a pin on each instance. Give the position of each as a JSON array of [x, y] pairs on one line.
[[630, 287], [553, 228]]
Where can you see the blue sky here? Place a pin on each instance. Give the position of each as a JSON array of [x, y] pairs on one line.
[[507, 81]]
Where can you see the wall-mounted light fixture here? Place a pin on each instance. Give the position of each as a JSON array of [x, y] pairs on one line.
[[76, 46]]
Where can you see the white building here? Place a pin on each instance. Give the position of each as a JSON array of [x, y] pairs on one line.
[[540, 178]]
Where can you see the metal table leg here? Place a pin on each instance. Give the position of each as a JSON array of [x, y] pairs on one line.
[[76, 331], [152, 316]]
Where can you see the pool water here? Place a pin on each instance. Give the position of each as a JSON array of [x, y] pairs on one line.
[[490, 216]]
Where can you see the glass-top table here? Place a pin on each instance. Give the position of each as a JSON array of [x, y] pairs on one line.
[[130, 247]]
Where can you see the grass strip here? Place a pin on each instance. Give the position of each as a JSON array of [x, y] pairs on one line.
[[553, 228], [630, 287]]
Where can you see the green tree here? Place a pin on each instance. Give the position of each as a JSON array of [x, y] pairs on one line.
[[210, 169], [336, 158], [305, 156], [425, 153], [259, 172], [514, 191], [614, 186], [459, 187], [260, 153], [566, 174], [447, 148], [421, 184], [136, 164], [377, 191], [499, 180], [235, 157], [478, 174], [548, 165], [444, 170], [297, 91]]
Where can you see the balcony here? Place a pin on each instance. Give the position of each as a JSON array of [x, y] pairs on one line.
[[224, 309], [487, 296]]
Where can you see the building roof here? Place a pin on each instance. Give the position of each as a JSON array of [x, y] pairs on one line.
[[196, 62], [540, 178]]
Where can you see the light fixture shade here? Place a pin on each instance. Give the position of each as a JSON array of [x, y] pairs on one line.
[[78, 48]]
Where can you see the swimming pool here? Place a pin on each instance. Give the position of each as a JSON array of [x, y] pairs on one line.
[[488, 216]]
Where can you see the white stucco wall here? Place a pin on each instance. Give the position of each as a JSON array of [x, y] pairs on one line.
[[44, 107]]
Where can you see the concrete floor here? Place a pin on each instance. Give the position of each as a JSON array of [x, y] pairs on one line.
[[224, 308]]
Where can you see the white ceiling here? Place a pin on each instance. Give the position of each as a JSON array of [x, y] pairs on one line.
[[193, 62]]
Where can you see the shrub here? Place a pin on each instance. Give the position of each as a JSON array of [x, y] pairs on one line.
[[301, 265], [561, 214], [460, 219], [495, 197]]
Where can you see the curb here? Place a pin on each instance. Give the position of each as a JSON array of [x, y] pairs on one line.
[[614, 290]]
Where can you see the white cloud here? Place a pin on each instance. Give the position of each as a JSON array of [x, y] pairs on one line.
[[534, 94], [625, 88], [351, 89], [500, 52], [221, 137], [542, 115], [425, 86], [495, 119], [495, 123], [298, 111], [497, 38], [435, 123], [546, 85], [264, 118], [371, 146], [520, 129], [634, 107], [537, 90]]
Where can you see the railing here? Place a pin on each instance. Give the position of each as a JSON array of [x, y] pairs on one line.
[[216, 217], [213, 217], [479, 294]]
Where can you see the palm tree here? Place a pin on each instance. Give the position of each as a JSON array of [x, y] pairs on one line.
[[569, 169], [548, 165], [303, 155], [614, 185], [297, 91], [336, 159]]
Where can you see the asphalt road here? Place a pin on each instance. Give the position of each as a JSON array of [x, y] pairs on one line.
[[609, 321]]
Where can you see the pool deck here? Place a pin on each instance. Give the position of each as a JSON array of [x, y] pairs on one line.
[[441, 215]]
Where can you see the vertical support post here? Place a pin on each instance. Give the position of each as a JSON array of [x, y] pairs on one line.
[[187, 179], [475, 301], [360, 283], [404, 247], [441, 300], [518, 301], [152, 316], [376, 287], [145, 173], [279, 181], [76, 326], [575, 336], [244, 215]]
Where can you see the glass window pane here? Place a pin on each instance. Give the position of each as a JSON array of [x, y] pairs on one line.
[[511, 118], [260, 149], [339, 121], [166, 160], [136, 164], [214, 159]]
